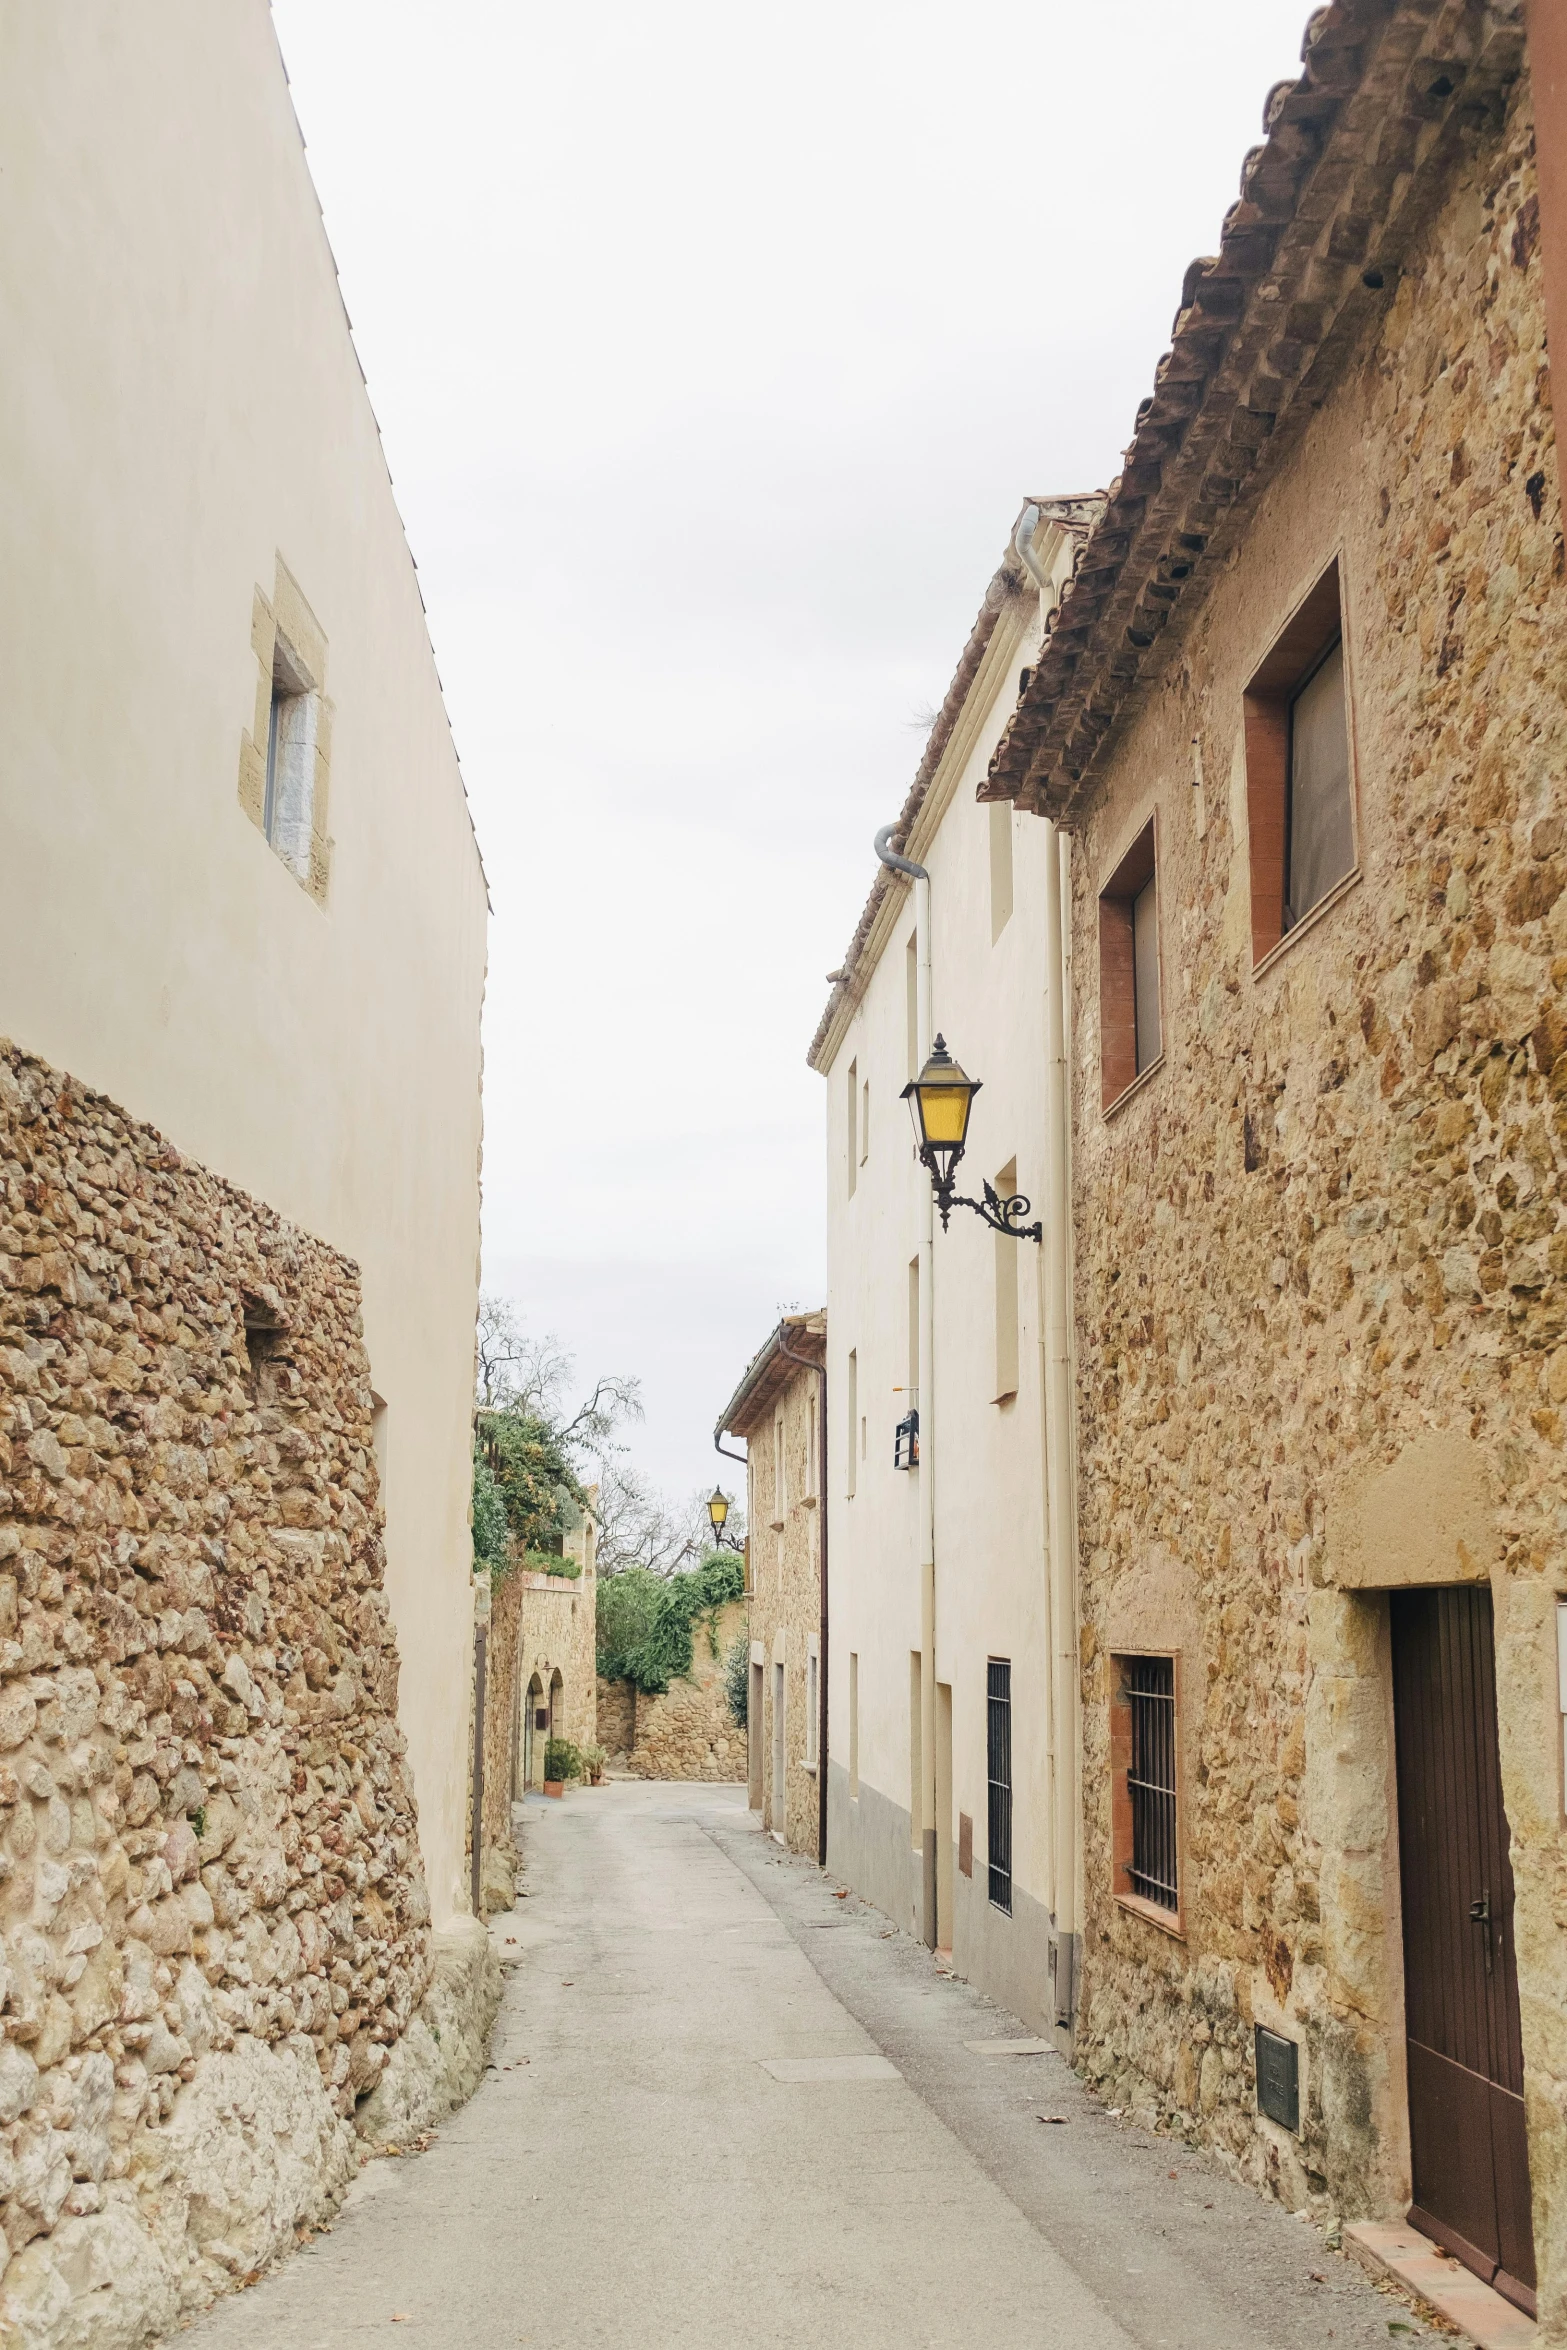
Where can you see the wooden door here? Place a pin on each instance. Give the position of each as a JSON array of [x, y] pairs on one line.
[[1466, 2117]]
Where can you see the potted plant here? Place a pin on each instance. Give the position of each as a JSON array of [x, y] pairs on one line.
[[593, 1760], [562, 1761]]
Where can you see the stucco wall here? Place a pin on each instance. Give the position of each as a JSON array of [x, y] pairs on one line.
[[989, 998], [182, 410], [1321, 1255]]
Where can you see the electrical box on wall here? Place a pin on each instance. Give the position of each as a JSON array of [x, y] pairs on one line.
[[1278, 2078]]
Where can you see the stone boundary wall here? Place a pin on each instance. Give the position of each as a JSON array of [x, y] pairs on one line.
[[214, 1930], [689, 1732]]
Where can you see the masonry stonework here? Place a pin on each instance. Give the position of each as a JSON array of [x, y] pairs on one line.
[[689, 1732], [213, 1922], [1322, 1247], [541, 1661]]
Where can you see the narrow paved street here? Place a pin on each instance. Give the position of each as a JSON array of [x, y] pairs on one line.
[[726, 2106]]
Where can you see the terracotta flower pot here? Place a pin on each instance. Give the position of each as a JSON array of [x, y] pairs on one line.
[[554, 1786]]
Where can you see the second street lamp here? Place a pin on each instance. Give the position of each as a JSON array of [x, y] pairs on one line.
[[718, 1512], [940, 1099]]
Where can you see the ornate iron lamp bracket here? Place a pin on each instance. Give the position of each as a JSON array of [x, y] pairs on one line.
[[1002, 1215]]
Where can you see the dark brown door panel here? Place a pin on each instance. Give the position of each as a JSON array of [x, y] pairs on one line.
[[1466, 2119]]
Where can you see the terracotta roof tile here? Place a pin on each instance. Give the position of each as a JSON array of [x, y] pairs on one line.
[[1355, 156]]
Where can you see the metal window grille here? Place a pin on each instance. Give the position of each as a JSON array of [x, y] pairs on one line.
[[998, 1727], [1150, 1692]]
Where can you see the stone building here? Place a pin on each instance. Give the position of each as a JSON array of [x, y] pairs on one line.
[[540, 1683], [779, 1409], [242, 943], [1301, 710], [951, 1785]]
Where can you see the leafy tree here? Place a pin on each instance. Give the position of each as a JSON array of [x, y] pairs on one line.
[[491, 1548], [530, 1471], [646, 1621]]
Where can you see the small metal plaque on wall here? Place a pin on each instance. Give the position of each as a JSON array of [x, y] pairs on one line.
[[1278, 2078]]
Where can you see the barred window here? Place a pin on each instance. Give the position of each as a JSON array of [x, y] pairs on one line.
[[998, 1727], [1146, 1821]]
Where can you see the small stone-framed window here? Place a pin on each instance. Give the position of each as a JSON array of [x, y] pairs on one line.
[[1131, 1023], [1300, 795], [1145, 1801], [285, 756]]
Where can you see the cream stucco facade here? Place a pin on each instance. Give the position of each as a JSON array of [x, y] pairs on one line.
[[197, 499], [894, 1746]]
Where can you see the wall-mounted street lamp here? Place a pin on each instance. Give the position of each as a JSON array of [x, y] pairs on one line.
[[718, 1512], [939, 1100]]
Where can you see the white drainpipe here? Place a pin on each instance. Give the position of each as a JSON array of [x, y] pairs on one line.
[[924, 1032], [1060, 1381], [1061, 1432]]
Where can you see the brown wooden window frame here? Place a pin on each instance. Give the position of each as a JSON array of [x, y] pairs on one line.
[[1169, 1921], [1304, 642], [1122, 1062]]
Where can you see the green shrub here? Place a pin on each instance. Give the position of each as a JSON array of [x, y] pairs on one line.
[[562, 1760], [491, 1545], [737, 1677], [646, 1622], [530, 1470]]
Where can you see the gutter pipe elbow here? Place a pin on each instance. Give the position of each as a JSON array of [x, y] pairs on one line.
[[889, 855], [1023, 546]]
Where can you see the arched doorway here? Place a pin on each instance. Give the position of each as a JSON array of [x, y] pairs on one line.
[[534, 1719], [557, 1705]]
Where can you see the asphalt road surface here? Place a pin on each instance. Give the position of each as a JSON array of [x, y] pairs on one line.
[[726, 2108]]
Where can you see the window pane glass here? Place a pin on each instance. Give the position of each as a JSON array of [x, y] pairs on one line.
[[1145, 964], [1321, 847]]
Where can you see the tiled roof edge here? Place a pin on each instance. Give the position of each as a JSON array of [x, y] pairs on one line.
[[1355, 156]]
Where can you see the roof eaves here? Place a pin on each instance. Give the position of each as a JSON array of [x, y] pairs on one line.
[[806, 1332], [1354, 158], [1071, 515]]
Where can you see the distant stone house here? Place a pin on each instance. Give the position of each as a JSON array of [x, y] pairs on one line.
[[540, 1683], [778, 1409], [1303, 710]]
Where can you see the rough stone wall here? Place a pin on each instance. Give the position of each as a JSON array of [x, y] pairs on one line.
[[213, 1926], [1322, 1251], [689, 1732], [786, 1598]]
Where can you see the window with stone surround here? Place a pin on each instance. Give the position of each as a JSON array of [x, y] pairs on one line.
[[290, 792], [284, 760], [1145, 1815], [1131, 1027], [1299, 773]]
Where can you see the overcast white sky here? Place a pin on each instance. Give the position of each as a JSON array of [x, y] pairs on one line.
[[715, 348]]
